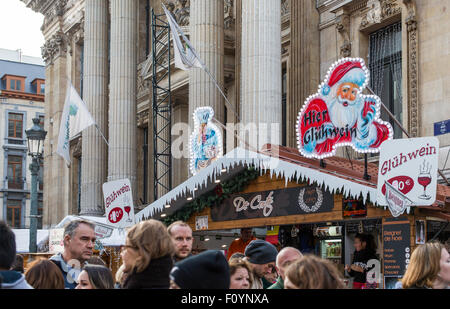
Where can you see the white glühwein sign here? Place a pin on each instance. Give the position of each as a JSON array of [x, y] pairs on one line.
[[407, 173], [119, 206], [56, 241]]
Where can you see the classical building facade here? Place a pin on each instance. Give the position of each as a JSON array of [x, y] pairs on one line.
[[268, 56], [22, 87]]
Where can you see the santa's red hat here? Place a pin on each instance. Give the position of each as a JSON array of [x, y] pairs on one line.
[[346, 71]]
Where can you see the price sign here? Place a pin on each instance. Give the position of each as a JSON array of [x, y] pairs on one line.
[[407, 174], [119, 203]]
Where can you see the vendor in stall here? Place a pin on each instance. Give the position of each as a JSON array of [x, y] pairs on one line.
[[239, 245], [365, 251]]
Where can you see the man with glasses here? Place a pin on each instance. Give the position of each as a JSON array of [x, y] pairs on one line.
[[261, 256], [79, 242]]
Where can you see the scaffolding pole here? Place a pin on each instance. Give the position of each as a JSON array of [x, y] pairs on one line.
[[161, 106]]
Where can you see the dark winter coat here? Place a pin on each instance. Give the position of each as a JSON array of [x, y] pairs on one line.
[[155, 276]]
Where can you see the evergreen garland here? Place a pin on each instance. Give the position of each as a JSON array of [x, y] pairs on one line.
[[214, 197]]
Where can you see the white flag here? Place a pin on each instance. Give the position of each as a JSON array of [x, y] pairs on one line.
[[75, 118], [185, 58]]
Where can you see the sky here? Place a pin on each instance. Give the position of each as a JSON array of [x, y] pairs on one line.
[[20, 28]]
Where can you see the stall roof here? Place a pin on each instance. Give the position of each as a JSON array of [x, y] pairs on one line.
[[281, 162], [354, 171]]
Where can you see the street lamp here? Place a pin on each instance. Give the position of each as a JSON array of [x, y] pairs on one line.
[[35, 137]]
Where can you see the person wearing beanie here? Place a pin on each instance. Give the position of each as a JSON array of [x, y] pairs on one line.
[[261, 256], [207, 270]]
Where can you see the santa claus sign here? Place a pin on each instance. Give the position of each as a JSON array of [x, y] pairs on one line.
[[340, 115]]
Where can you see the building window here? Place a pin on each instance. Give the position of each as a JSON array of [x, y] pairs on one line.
[[385, 64], [15, 84], [15, 172], [15, 125], [14, 213], [38, 86]]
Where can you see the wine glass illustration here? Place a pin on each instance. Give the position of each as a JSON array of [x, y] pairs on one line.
[[424, 179], [127, 208]]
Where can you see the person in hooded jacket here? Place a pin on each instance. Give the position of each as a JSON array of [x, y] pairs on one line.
[[147, 256], [11, 279], [365, 251]]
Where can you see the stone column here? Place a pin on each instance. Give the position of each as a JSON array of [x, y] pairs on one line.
[[207, 36], [95, 95], [261, 72], [304, 61], [56, 172], [122, 90]]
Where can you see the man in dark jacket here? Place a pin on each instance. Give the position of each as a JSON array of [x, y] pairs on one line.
[[79, 242], [11, 279], [261, 256]]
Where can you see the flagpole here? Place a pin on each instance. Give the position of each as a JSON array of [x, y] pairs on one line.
[[99, 131], [205, 68], [179, 32], [235, 135]]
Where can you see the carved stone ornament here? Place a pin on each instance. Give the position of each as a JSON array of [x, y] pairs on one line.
[[142, 118], [343, 27], [228, 14], [285, 7], [374, 14], [346, 49], [379, 10], [413, 92], [54, 47], [180, 9]]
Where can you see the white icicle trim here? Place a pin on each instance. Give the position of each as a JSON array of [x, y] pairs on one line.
[[277, 167]]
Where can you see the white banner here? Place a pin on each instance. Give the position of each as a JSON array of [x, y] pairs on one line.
[[185, 57], [119, 206], [75, 118], [409, 166], [56, 241]]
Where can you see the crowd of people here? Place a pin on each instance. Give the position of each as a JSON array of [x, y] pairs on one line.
[[158, 257]]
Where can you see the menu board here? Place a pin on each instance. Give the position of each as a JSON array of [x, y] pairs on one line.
[[396, 246]]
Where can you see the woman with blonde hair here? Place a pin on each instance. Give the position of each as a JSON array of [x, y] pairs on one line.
[[312, 272], [44, 274], [429, 268], [147, 256], [240, 274]]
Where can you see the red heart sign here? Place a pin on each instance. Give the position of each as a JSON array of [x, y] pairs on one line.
[[402, 183]]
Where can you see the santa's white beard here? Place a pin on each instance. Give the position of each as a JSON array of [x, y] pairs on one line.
[[341, 115]]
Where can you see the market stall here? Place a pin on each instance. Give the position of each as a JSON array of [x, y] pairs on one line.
[[318, 205]]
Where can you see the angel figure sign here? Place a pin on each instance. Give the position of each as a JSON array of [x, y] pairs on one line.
[[206, 140], [340, 115]]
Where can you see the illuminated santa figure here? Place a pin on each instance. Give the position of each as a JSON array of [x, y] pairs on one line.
[[340, 115]]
